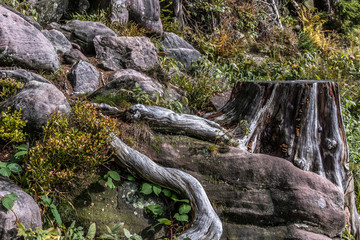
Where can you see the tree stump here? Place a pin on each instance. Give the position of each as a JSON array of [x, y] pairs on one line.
[[296, 120]]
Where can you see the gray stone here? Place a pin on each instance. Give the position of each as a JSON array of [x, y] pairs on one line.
[[84, 77], [83, 33], [37, 100], [26, 18], [23, 75], [126, 79], [119, 12], [58, 40], [74, 55], [147, 14], [49, 10], [26, 209], [24, 45], [115, 53], [178, 48]]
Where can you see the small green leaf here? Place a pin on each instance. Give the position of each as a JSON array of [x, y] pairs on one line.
[[116, 228], [12, 196], [146, 188], [21, 153], [164, 221], [127, 233], [46, 200], [23, 147], [166, 192], [7, 202], [130, 178], [114, 175], [183, 200], [57, 216], [156, 189], [182, 217], [155, 209], [14, 167], [3, 164], [92, 231], [184, 209], [5, 172], [110, 183], [137, 237]]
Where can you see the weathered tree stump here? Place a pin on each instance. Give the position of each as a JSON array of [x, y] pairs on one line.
[[296, 120]]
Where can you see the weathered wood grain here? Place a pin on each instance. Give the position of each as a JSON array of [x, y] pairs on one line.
[[164, 120], [206, 224]]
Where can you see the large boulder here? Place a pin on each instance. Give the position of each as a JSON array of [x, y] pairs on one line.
[[147, 14], [25, 208], [83, 33], [58, 40], [257, 196], [22, 75], [26, 18], [126, 79], [115, 53], [23, 44], [37, 100], [178, 48], [84, 77]]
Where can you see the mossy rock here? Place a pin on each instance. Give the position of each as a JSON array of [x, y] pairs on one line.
[[107, 207]]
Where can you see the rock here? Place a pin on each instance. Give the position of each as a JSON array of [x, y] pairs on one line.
[[74, 55], [26, 209], [107, 207], [84, 77], [37, 100], [83, 33], [178, 48], [23, 75], [50, 10], [126, 79], [26, 18], [58, 40], [260, 194], [115, 53], [219, 100], [147, 14], [24, 45], [119, 12]]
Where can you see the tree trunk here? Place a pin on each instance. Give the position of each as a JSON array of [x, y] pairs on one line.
[[296, 120]]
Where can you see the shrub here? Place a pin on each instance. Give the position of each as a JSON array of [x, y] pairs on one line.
[[11, 127], [9, 87], [71, 148]]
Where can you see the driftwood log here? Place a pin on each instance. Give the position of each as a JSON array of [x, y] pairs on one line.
[[296, 120], [206, 224], [164, 120]]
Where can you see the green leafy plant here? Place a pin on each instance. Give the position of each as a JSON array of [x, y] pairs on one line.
[[110, 177], [48, 202], [117, 232], [9, 87], [11, 126], [37, 234], [6, 169], [7, 200], [178, 209], [72, 148], [78, 233]]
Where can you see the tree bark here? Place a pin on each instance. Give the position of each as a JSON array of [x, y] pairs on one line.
[[206, 224], [296, 120], [164, 120]]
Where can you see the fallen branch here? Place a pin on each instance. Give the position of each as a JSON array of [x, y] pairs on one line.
[[206, 224], [164, 120]]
